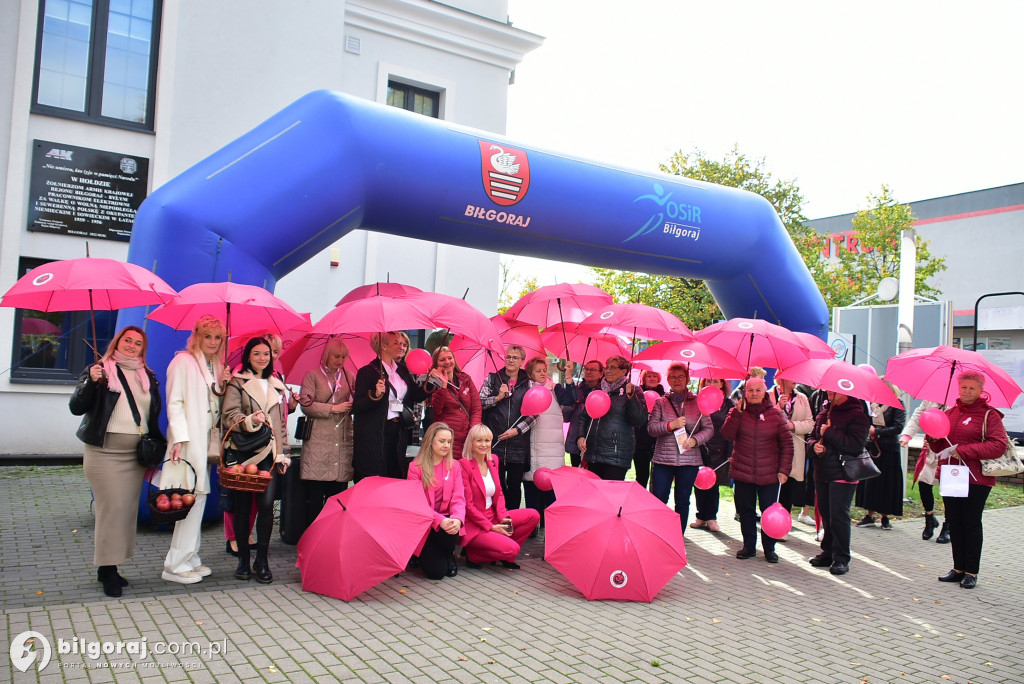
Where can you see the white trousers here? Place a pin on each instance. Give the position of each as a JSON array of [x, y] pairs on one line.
[[184, 552]]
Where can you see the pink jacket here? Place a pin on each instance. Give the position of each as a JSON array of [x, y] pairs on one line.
[[453, 498], [477, 521]]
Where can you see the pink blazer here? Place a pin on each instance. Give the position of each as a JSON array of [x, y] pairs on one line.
[[453, 498], [477, 521]]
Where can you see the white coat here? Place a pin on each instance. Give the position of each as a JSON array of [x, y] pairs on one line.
[[192, 410], [547, 441]]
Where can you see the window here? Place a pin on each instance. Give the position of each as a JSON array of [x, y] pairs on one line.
[[426, 102], [53, 348], [96, 61]]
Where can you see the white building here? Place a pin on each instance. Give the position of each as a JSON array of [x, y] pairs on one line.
[[168, 83]]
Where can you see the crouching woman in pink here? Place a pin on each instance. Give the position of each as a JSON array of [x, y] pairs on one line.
[[441, 477], [492, 532]]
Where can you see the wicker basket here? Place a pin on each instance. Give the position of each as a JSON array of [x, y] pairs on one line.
[[166, 517], [242, 482]]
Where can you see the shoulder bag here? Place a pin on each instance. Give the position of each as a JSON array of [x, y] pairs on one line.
[[152, 447], [859, 467], [1007, 464]]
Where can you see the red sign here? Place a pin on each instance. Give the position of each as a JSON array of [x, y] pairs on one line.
[[505, 173]]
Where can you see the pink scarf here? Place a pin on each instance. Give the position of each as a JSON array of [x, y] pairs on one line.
[[127, 364]]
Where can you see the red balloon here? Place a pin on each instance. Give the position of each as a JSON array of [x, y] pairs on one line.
[[598, 403], [776, 521], [418, 361], [651, 396], [935, 423], [542, 479], [709, 400], [706, 478], [536, 401]]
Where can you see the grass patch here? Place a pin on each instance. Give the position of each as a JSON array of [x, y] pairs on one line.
[[1003, 495]]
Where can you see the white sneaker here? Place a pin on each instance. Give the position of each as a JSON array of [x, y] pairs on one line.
[[187, 577], [806, 520], [202, 571]]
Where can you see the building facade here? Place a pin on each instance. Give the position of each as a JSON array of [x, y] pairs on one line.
[[108, 100]]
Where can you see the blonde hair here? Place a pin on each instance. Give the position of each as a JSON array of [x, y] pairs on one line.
[[757, 372], [534, 362], [206, 325], [478, 430], [333, 344], [437, 354], [377, 338], [425, 456]]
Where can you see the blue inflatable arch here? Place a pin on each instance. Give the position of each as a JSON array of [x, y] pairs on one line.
[[331, 163]]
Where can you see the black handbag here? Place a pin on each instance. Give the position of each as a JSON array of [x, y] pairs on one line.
[[859, 467], [250, 441], [406, 419], [303, 428], [152, 447]]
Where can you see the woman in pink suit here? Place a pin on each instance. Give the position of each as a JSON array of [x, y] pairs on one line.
[[492, 532], [441, 477]]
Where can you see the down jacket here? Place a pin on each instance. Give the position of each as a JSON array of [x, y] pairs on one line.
[[847, 435], [762, 443], [700, 428], [501, 416], [611, 440]]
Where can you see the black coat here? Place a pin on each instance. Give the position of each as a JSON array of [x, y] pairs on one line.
[[503, 415], [369, 416], [611, 440], [94, 402], [847, 436]]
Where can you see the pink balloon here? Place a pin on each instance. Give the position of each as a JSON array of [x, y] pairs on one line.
[[706, 478], [776, 521], [935, 423], [709, 400], [651, 396], [536, 401], [542, 478], [867, 367], [598, 403], [418, 361]]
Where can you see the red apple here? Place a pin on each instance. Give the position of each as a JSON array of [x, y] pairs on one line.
[[163, 504], [231, 469], [264, 473], [176, 504], [188, 499], [251, 469], [175, 496]]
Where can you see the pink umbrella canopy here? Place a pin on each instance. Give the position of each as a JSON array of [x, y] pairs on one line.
[[38, 326], [843, 377], [245, 309], [563, 303], [566, 342], [613, 540], [817, 348], [566, 477], [636, 321], [372, 315], [704, 360], [755, 342], [452, 313], [378, 290], [363, 536], [477, 359], [87, 283], [931, 373], [306, 352]]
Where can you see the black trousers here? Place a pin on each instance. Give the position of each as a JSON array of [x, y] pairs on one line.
[[511, 476], [437, 550], [834, 501], [927, 495], [747, 496], [317, 493], [642, 465], [606, 471], [264, 503], [965, 531]]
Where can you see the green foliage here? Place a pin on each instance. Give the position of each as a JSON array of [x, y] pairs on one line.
[[513, 285], [878, 230], [687, 298]]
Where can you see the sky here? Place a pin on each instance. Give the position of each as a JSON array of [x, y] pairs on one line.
[[925, 97]]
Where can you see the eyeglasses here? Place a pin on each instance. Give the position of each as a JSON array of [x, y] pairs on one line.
[[513, 357], [611, 367]]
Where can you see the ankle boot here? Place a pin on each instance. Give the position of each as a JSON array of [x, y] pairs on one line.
[[929, 526], [943, 537], [261, 567], [107, 574], [99, 575], [243, 571]]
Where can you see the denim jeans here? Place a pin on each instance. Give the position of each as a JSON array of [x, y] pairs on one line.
[[662, 477]]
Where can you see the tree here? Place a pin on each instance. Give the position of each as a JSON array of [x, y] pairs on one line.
[[512, 283], [877, 230]]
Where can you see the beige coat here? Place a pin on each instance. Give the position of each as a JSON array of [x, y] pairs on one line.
[[245, 396], [803, 423], [327, 454]]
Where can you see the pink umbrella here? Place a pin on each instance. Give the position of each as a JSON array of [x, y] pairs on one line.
[[452, 313], [566, 342], [372, 315], [639, 321], [245, 309], [613, 540], [378, 290], [563, 303], [759, 342], [816, 347], [363, 536], [307, 351], [38, 326], [567, 477], [843, 377], [473, 355], [703, 360], [87, 283], [930, 373]]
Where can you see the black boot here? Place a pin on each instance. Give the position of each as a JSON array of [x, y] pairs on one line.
[[243, 571], [943, 537], [99, 575], [107, 574], [261, 567], [929, 526]]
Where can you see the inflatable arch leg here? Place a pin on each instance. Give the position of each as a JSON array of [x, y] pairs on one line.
[[331, 163]]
